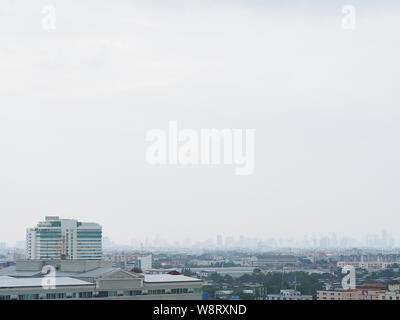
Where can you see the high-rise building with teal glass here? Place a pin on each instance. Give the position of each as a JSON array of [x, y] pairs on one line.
[[68, 239]]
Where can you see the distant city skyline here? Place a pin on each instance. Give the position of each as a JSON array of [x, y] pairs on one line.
[[383, 240], [377, 240], [333, 241]]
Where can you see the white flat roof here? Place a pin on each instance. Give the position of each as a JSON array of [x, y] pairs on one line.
[[10, 282], [168, 278]]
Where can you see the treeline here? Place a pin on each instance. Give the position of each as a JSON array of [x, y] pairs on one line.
[[273, 282]]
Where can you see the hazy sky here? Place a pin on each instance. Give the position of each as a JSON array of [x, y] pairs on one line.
[[76, 103]]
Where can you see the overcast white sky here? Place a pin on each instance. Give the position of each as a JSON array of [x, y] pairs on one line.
[[76, 102]]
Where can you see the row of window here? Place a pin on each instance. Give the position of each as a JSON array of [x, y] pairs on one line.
[[49, 296], [101, 294]]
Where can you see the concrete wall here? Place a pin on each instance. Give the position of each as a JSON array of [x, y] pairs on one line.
[[62, 265], [119, 284], [83, 265]]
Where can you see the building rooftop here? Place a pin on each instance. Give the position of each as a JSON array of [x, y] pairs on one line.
[[168, 278], [79, 274], [10, 282], [89, 274], [12, 272]]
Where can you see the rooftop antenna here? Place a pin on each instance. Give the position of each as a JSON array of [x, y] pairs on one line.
[[295, 281]]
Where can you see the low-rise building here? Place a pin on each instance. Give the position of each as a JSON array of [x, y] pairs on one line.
[[369, 261], [275, 261], [288, 294], [82, 279], [367, 291], [160, 271], [40, 288], [129, 261], [337, 295]]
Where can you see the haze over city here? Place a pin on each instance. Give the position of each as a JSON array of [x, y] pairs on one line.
[[77, 101]]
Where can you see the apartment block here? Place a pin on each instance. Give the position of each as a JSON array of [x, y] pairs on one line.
[[68, 239]]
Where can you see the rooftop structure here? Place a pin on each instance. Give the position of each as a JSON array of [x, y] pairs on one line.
[[88, 279]]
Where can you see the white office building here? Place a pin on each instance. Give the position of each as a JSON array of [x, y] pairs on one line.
[[69, 239]]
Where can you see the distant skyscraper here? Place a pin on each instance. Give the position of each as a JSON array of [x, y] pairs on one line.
[[220, 241], [57, 238], [324, 242]]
